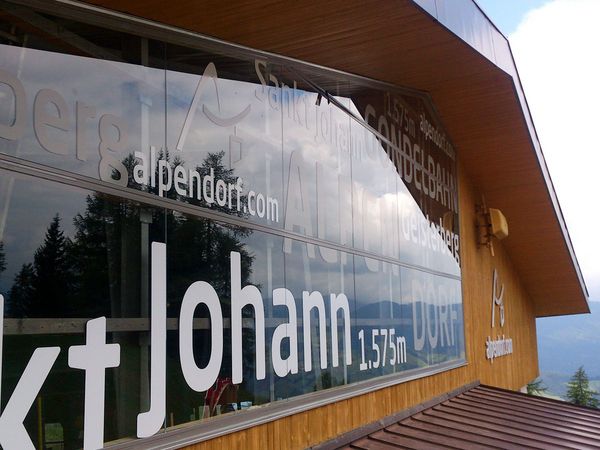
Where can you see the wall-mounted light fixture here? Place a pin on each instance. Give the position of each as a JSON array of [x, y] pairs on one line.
[[491, 223]]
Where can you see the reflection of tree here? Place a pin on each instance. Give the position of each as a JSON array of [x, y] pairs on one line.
[[21, 294], [53, 273], [84, 276], [212, 161], [200, 247], [42, 289], [2, 258], [105, 250]]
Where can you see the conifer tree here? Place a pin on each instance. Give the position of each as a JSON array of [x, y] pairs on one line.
[[536, 387], [579, 391], [52, 282], [21, 293]]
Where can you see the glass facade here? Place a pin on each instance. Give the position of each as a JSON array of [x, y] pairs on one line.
[[304, 224]]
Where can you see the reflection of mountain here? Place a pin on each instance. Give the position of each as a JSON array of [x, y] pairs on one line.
[[399, 316], [382, 309]]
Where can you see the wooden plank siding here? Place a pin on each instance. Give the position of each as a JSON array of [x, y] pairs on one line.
[[510, 371]]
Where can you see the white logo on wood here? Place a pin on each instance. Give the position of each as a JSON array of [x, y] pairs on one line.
[[497, 300]]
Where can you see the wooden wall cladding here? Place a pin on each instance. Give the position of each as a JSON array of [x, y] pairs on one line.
[[511, 371]]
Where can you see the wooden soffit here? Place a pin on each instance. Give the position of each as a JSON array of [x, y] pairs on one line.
[[399, 42]]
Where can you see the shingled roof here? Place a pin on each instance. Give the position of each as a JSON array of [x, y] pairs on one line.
[[480, 417]]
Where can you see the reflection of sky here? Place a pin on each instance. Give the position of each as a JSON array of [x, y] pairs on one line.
[[258, 148], [112, 88], [255, 151]]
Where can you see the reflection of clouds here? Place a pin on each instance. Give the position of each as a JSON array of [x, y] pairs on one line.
[[377, 176], [317, 144], [268, 138], [109, 87], [257, 160], [371, 289], [259, 245], [416, 253]]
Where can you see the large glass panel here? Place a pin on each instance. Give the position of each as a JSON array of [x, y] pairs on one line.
[[406, 176], [375, 205], [201, 251], [317, 167], [83, 255]]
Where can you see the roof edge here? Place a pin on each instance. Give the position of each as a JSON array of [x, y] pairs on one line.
[[351, 436], [487, 40]]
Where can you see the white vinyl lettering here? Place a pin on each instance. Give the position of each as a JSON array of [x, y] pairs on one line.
[[418, 315], [13, 435], [200, 379], [297, 209], [15, 130], [109, 165], [151, 421], [287, 330], [338, 302], [164, 177], [309, 301], [94, 358], [83, 112], [42, 119], [210, 74], [241, 297]]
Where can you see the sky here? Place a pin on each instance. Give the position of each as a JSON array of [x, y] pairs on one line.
[[555, 44]]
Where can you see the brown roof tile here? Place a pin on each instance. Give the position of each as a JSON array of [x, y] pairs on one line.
[[480, 417]]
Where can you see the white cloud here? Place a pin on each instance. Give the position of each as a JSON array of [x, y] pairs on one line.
[[557, 52]]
